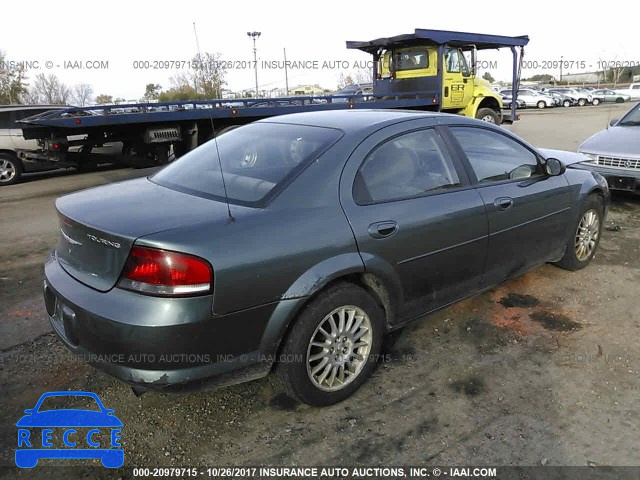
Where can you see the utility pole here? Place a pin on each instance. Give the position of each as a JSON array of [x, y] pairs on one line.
[[255, 36], [286, 76]]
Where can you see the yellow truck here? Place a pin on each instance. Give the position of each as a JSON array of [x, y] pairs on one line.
[[439, 66]]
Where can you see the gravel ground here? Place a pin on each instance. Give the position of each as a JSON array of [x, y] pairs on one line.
[[543, 370]]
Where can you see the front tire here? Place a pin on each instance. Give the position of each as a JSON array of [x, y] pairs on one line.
[[566, 103], [582, 102], [585, 235], [332, 347], [10, 169], [619, 100], [595, 101], [542, 104], [488, 115]]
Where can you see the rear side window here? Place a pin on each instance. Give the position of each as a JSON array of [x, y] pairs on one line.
[[406, 166], [5, 120], [495, 157], [411, 59], [256, 159]]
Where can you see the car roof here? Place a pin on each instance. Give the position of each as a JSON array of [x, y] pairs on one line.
[[351, 121]]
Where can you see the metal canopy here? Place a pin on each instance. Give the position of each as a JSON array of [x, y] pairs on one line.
[[441, 37]]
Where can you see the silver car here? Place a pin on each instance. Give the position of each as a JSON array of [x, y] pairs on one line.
[[532, 98], [615, 152], [610, 96]]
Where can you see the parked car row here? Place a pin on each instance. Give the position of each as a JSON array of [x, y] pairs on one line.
[[563, 96]]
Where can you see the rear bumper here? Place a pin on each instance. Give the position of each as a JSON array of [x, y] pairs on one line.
[[158, 343]]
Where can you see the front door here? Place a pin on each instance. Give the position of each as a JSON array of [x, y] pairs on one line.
[[528, 210], [457, 83]]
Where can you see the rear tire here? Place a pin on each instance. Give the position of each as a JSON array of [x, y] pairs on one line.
[[10, 169], [488, 115], [542, 104], [585, 234], [338, 335], [595, 101], [582, 102], [566, 103], [619, 100]]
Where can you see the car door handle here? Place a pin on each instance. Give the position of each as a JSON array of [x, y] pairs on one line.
[[383, 229], [503, 203]]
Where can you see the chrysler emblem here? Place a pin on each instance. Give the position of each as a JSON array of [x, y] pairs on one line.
[[69, 239]]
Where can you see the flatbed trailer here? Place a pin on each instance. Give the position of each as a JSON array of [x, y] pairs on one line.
[[155, 133]]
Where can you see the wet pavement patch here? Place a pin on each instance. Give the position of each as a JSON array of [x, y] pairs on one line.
[[471, 386], [554, 321], [519, 300], [284, 402]]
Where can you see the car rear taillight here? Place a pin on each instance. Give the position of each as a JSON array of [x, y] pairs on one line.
[[164, 273]]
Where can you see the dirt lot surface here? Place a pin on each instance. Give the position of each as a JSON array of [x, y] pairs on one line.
[[543, 370]]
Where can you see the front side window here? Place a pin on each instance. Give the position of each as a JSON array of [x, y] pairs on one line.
[[455, 62], [495, 157], [406, 166], [255, 159]]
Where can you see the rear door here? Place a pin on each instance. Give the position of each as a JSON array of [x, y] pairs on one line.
[[528, 210], [415, 217]]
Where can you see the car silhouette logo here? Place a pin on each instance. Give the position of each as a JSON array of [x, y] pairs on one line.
[[61, 426]]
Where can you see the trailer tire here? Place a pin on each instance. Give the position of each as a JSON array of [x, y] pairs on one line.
[[10, 169], [488, 115]]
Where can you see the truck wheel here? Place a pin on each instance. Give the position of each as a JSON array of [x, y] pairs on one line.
[[10, 169], [332, 347], [584, 236], [582, 102], [596, 101], [488, 115]]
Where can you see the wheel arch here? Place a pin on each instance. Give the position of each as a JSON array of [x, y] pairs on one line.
[[381, 288]]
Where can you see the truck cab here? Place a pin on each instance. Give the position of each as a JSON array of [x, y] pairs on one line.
[[439, 65]]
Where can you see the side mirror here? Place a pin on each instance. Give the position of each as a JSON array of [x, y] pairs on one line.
[[554, 167], [612, 123]]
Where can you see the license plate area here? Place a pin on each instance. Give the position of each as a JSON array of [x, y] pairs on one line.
[[63, 320], [621, 183]]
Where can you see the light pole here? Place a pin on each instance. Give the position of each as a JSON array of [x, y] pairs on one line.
[[255, 35], [561, 57]]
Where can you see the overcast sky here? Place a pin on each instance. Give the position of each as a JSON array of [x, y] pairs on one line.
[[122, 32]]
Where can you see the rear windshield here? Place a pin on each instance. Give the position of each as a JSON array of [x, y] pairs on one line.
[[256, 160]]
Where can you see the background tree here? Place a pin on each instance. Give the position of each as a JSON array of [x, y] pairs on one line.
[[344, 80], [152, 91], [209, 75], [488, 77], [48, 89], [82, 94], [545, 78], [103, 99], [12, 82], [203, 82]]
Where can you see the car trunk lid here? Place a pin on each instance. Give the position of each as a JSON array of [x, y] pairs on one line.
[[99, 226]]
